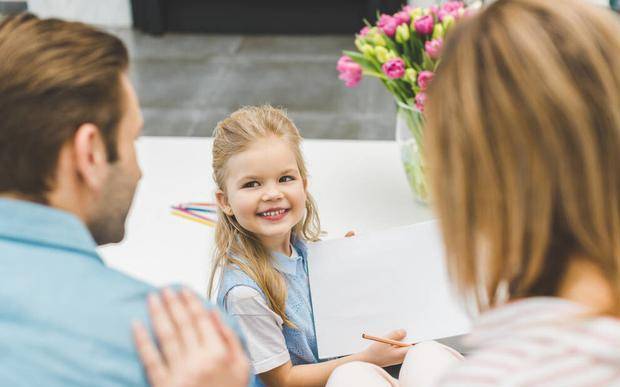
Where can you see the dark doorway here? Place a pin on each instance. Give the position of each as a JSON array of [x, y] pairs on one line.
[[257, 17]]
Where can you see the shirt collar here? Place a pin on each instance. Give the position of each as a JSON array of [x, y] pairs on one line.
[[40, 224], [286, 264]]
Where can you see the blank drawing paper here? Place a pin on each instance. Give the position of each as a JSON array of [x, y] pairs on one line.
[[379, 282]]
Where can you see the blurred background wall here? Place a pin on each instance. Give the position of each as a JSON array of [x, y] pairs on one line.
[[195, 61]]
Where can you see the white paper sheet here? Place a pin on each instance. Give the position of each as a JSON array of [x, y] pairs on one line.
[[379, 282]]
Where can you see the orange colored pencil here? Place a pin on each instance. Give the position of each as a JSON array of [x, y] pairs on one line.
[[189, 217], [386, 341], [206, 204]]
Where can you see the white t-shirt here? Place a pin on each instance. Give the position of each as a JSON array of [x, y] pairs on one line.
[[261, 326]]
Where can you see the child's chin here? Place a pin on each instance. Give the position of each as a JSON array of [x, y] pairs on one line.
[[275, 230]]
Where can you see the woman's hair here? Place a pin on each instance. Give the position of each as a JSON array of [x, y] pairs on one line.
[[523, 147], [234, 244]]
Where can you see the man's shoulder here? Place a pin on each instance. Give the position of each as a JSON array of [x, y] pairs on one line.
[[63, 306], [59, 306]]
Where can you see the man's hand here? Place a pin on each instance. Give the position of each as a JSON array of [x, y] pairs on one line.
[[197, 349]]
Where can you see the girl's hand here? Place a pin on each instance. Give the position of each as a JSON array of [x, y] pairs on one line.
[[349, 233], [197, 349], [385, 355]]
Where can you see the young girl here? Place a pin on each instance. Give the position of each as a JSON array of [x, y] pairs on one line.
[[523, 145], [266, 216]]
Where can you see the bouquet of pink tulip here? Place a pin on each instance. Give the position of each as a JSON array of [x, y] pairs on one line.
[[403, 50]]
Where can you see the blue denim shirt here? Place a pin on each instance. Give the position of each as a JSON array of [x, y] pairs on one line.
[[65, 317], [300, 340]]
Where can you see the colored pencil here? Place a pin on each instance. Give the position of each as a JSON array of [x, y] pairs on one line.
[[206, 204], [193, 218], [193, 214], [196, 209], [386, 341]]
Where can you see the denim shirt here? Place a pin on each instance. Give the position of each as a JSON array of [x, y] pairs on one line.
[[65, 317], [301, 339]]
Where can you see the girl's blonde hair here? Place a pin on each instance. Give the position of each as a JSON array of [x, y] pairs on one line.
[[233, 244], [523, 146]]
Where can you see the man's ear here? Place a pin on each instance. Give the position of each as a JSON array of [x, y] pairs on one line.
[[90, 156], [222, 202]]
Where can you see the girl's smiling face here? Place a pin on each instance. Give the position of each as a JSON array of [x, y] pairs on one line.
[[264, 191]]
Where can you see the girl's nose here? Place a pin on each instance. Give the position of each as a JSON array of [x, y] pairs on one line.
[[272, 194]]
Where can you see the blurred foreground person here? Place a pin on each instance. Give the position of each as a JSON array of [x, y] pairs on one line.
[[523, 150], [68, 172]]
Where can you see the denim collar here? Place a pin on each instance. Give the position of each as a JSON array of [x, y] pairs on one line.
[[286, 264]]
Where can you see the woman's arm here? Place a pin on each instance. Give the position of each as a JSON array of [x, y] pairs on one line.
[[310, 375]]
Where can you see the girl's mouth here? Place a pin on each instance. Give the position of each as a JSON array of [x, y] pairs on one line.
[[274, 214]]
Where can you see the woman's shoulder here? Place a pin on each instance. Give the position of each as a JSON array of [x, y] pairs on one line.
[[585, 343]]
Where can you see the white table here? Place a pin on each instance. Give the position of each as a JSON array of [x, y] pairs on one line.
[[358, 185]]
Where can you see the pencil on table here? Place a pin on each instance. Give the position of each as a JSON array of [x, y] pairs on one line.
[[190, 217], [206, 204], [196, 209], [190, 213], [386, 341]]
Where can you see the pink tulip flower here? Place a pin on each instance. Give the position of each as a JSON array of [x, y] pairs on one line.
[[420, 101], [364, 31], [394, 68], [402, 17], [451, 8], [350, 72], [387, 24], [424, 25], [433, 48], [424, 79]]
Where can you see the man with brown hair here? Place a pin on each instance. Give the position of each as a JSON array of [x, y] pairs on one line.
[[69, 118]]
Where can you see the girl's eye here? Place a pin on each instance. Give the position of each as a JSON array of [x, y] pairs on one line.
[[250, 184], [285, 179]]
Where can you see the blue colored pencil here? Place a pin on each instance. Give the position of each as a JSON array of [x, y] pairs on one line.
[[197, 209]]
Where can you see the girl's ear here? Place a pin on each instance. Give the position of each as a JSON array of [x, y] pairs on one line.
[[305, 184], [222, 202]]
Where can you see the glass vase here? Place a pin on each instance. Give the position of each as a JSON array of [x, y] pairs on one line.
[[409, 136]]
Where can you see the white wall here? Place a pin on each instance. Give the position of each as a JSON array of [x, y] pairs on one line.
[[110, 13]]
